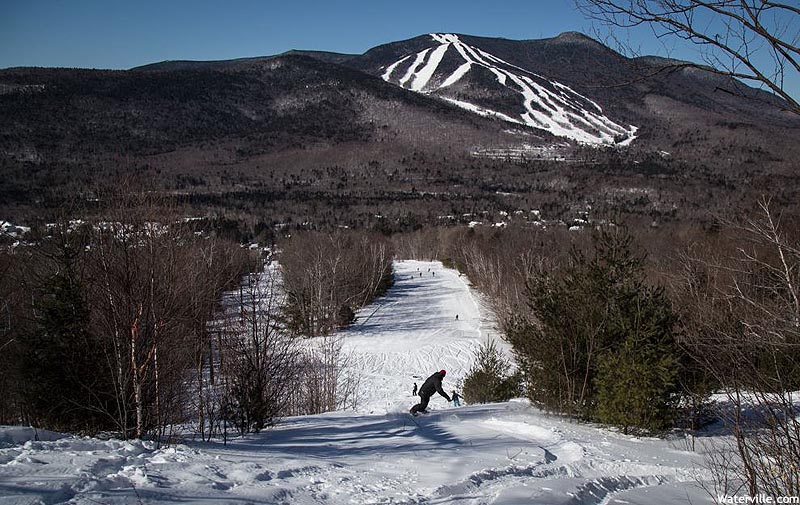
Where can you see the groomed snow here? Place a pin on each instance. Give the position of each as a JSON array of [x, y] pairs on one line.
[[506, 453]]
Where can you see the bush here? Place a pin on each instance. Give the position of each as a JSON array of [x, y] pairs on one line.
[[489, 380]]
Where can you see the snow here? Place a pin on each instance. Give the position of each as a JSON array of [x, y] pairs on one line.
[[412, 332], [481, 110], [570, 114], [13, 230], [423, 76], [505, 453], [394, 65], [413, 68], [457, 75]]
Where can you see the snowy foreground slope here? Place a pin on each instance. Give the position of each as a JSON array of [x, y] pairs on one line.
[[505, 453]]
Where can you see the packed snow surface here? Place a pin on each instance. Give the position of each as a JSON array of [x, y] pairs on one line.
[[506, 453], [544, 103]]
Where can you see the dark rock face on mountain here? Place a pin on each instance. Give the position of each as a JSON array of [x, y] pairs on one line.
[[439, 124]]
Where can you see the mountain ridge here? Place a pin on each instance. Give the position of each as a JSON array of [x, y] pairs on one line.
[[339, 132]]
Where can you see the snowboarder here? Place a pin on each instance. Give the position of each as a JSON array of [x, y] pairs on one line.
[[414, 391], [456, 400], [432, 385]]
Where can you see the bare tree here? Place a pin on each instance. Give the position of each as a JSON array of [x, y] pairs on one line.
[[328, 276], [154, 286], [754, 40], [258, 357], [327, 379], [140, 302], [216, 266], [743, 326], [10, 295]]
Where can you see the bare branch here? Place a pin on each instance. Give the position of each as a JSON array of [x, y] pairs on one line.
[[735, 33]]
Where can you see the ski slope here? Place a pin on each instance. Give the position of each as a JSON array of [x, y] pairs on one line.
[[412, 332], [507, 453], [543, 103]]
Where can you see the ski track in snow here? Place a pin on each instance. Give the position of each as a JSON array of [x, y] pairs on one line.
[[502, 453], [568, 113]]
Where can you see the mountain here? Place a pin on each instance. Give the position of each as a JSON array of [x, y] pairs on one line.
[[437, 125], [281, 101], [570, 85], [240, 63], [477, 80]]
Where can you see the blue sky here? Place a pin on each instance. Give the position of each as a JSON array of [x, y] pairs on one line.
[[123, 34], [114, 34]]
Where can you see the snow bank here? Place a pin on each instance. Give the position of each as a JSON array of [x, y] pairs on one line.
[[11, 436]]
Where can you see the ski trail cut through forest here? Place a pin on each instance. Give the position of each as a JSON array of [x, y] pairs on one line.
[[413, 332], [503, 453]]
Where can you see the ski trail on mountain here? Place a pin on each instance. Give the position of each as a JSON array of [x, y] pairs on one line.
[[545, 104], [412, 332]]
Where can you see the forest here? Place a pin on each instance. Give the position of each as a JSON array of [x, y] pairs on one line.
[[146, 323]]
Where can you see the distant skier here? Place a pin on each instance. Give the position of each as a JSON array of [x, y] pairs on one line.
[[432, 385], [414, 391], [456, 400], [456, 317]]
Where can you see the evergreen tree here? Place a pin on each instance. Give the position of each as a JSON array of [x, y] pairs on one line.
[[61, 358], [489, 380], [601, 343], [637, 379]]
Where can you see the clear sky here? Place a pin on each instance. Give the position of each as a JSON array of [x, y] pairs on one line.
[[123, 34]]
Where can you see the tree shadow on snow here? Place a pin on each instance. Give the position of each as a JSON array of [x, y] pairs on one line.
[[351, 436]]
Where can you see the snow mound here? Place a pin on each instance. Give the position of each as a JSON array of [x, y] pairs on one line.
[[11, 436]]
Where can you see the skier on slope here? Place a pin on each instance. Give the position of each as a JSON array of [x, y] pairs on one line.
[[432, 385]]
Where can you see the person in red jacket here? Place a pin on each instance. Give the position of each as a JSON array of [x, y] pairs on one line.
[[432, 385]]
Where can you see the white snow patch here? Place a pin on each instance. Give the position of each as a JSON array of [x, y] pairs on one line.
[[388, 74], [423, 76], [413, 68], [458, 74]]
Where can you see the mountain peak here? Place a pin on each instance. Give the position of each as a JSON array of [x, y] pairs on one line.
[[575, 37], [464, 71]]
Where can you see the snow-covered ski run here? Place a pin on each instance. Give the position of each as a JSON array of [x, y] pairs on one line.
[[506, 453], [543, 103]]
